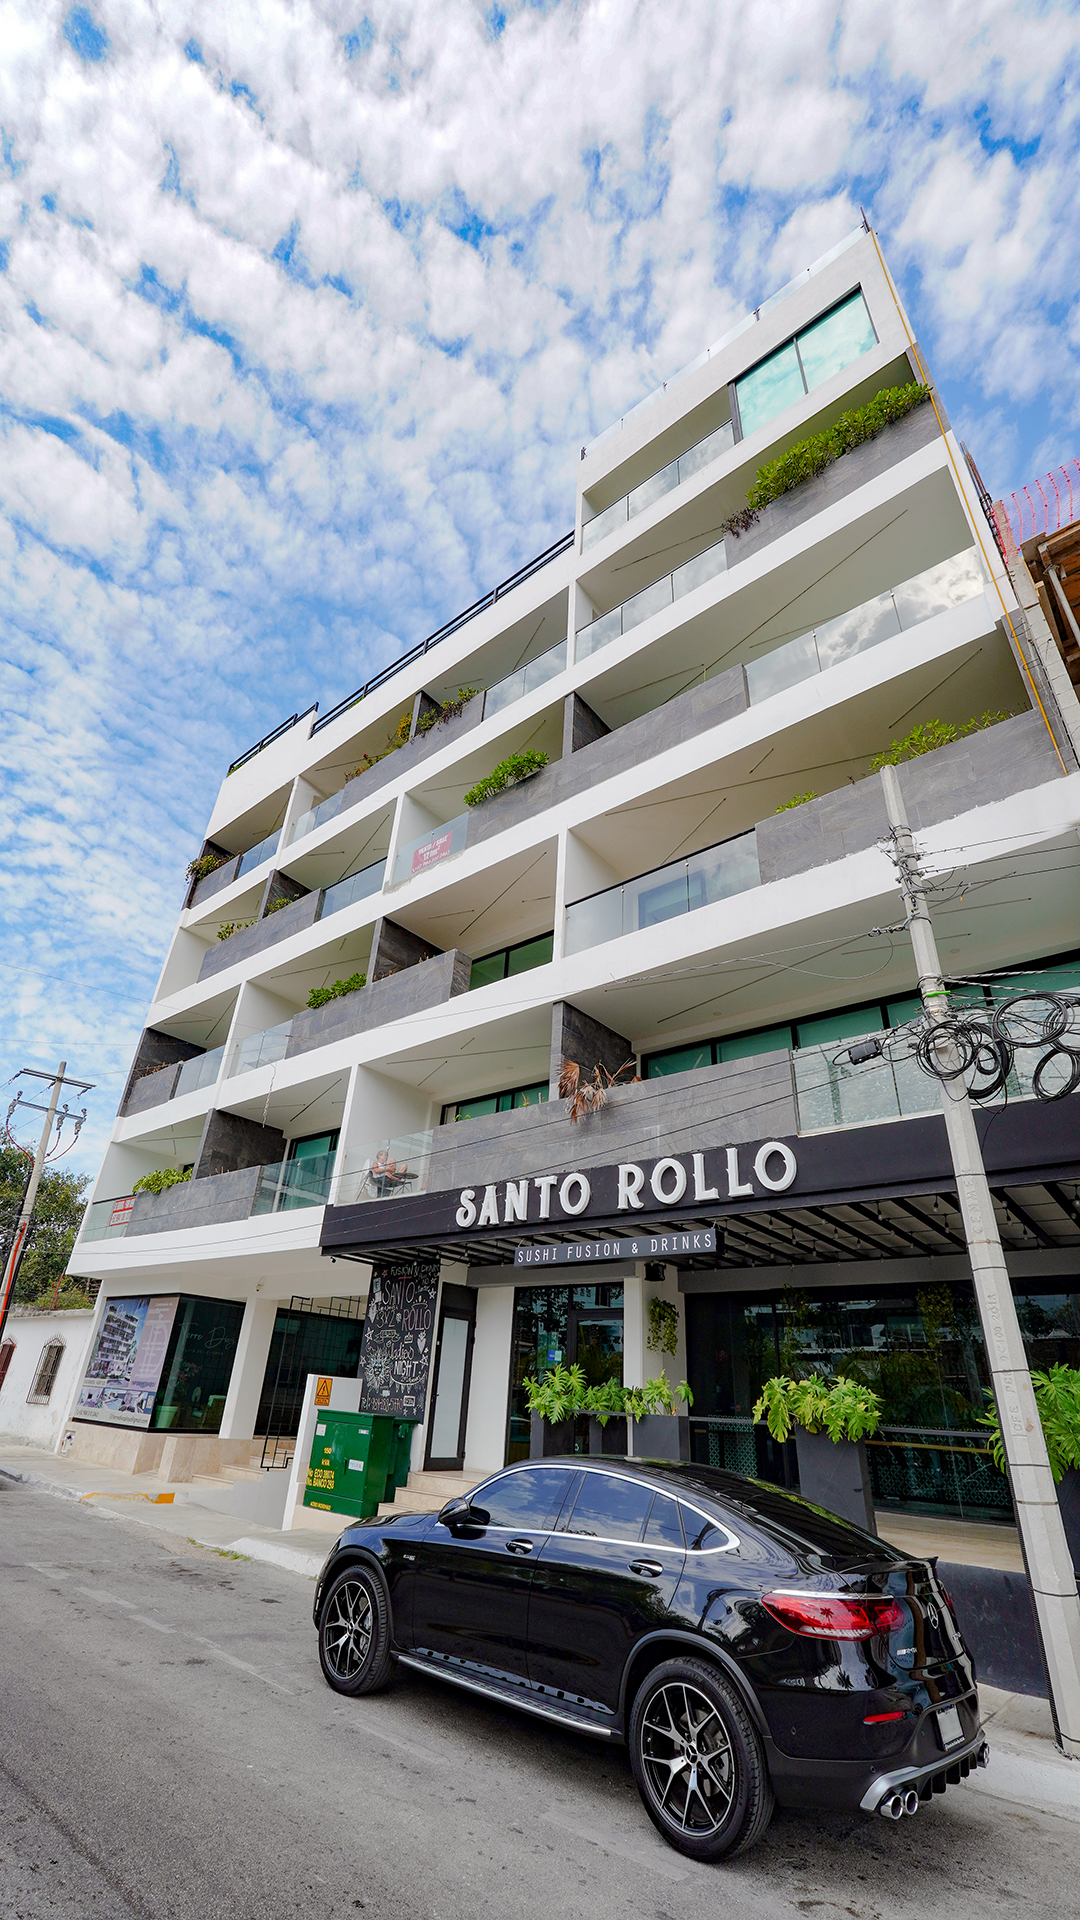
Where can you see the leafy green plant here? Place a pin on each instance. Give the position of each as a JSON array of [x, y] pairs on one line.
[[438, 716], [845, 1408], [811, 456], [663, 1334], [275, 906], [161, 1178], [206, 863], [69, 1298], [319, 996], [516, 766], [1057, 1396], [931, 734], [229, 927], [564, 1391], [797, 800]]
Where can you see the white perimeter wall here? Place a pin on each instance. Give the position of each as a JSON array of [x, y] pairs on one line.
[[31, 1333]]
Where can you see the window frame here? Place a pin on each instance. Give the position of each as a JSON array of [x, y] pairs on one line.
[[45, 1375], [792, 340]]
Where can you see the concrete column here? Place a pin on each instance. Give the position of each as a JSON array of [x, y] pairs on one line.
[[249, 1368], [485, 1431], [634, 1324]]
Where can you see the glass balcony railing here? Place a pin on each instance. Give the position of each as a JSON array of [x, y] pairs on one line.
[[669, 477], [681, 887], [391, 1169], [318, 816], [516, 685], [416, 856], [934, 591], [107, 1219], [261, 1049], [255, 856], [831, 1092], [357, 887], [294, 1183], [200, 1072], [662, 593]]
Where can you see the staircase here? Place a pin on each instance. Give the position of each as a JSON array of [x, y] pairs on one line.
[[249, 1491], [427, 1492]]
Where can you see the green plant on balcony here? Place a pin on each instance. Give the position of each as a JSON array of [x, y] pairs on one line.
[[283, 900], [931, 734], [319, 996], [161, 1178], [229, 927], [811, 456], [438, 716], [206, 863], [509, 773], [1057, 1396], [797, 800], [844, 1408], [663, 1334]]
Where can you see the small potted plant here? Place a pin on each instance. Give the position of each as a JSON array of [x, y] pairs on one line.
[[1057, 1396], [831, 1420]]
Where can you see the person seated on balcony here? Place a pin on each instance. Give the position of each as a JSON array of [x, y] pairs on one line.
[[387, 1175]]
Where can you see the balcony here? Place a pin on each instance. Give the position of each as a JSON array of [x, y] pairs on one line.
[[240, 1194], [652, 599], [688, 464], [935, 590], [359, 886], [261, 1049], [664, 894], [438, 844]]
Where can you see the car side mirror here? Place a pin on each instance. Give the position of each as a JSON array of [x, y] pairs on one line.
[[456, 1513]]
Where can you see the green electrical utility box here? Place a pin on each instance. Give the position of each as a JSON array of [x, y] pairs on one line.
[[357, 1460]]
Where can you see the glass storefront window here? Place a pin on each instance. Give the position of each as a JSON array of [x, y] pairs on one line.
[[198, 1366], [921, 1350], [554, 1327]]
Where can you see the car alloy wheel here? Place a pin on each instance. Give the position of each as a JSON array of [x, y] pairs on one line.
[[354, 1633], [698, 1761]]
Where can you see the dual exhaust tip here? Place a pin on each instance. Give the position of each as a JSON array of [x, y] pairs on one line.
[[895, 1805]]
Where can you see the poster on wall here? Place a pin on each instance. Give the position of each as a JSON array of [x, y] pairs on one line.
[[120, 1384], [395, 1360]]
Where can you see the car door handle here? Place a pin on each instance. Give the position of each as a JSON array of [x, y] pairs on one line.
[[519, 1546], [651, 1567]]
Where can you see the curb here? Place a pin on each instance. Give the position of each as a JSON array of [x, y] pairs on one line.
[[36, 1480], [292, 1559]]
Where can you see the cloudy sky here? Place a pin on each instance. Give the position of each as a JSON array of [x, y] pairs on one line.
[[307, 309]]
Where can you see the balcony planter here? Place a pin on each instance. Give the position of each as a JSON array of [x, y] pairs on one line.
[[608, 1436], [831, 1419], [547, 1437], [835, 1474], [661, 1436], [1068, 1494], [563, 1393]]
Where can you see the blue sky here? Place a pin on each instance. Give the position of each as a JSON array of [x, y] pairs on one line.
[[306, 308]]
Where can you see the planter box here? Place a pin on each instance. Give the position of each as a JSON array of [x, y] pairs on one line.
[[610, 1438], [544, 1439], [1068, 1494], [662, 1436], [835, 1474]]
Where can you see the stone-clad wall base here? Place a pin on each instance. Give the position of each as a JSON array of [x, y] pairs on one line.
[[197, 1203], [395, 997]]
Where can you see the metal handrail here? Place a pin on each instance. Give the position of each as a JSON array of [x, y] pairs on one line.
[[444, 632], [274, 735]]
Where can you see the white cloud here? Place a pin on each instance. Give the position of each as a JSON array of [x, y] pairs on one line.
[[297, 350]]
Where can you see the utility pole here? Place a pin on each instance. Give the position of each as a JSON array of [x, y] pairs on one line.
[[1047, 1559], [26, 1211]]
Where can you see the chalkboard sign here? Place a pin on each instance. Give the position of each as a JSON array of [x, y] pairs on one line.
[[398, 1332]]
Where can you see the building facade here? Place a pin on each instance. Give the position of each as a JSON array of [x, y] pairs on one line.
[[624, 814]]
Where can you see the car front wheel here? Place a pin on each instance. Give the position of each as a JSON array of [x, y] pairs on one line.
[[355, 1633], [698, 1762]]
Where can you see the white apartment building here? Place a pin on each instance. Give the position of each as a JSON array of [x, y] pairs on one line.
[[650, 903]]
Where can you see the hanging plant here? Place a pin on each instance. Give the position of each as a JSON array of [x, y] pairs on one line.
[[663, 1334]]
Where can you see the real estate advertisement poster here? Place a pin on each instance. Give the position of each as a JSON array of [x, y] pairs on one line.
[[121, 1382]]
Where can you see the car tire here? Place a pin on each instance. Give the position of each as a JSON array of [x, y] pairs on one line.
[[698, 1761], [355, 1632]]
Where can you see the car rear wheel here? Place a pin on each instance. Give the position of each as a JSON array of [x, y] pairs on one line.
[[354, 1633], [698, 1761]]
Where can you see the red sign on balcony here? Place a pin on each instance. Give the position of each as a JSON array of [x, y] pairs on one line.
[[121, 1211], [431, 851]]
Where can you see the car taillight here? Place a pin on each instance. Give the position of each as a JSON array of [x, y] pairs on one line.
[[879, 1719], [828, 1616]]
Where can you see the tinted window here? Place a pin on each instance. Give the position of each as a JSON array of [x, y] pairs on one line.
[[701, 1534], [530, 1498], [664, 1528], [609, 1508]]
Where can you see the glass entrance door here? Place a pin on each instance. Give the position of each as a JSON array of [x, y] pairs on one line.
[[453, 1355]]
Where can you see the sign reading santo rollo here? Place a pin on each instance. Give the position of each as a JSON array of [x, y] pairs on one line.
[[719, 1176]]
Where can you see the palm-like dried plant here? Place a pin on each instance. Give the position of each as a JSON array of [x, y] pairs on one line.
[[585, 1093]]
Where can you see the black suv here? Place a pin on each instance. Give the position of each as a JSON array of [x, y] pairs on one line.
[[749, 1647]]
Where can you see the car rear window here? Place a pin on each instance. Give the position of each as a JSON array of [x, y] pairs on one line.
[[531, 1497], [664, 1528], [702, 1534], [610, 1508]]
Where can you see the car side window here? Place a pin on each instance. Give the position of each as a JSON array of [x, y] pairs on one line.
[[703, 1534], [610, 1508], [663, 1527], [530, 1497]]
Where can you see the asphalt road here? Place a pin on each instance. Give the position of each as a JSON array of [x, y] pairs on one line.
[[168, 1747]]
